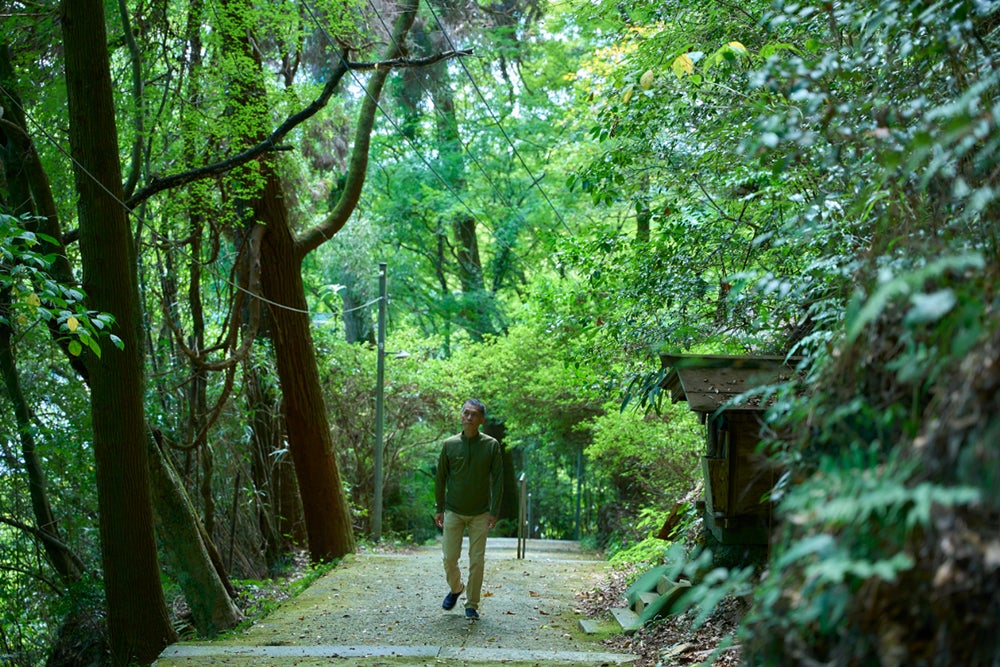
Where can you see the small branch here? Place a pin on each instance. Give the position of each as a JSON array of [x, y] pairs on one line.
[[44, 536], [409, 62]]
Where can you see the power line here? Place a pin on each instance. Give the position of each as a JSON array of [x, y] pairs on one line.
[[52, 140], [493, 116], [466, 148]]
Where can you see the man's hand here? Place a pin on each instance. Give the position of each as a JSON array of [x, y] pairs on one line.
[[490, 522], [439, 519]]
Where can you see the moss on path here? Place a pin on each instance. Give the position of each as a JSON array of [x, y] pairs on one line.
[[385, 609]]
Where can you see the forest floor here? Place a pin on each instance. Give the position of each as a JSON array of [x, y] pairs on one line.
[[384, 609]]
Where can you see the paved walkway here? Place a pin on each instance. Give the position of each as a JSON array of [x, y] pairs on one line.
[[385, 609]]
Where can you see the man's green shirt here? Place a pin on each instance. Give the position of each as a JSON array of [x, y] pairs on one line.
[[470, 475]]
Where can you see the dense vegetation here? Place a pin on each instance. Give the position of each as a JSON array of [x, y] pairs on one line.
[[195, 199]]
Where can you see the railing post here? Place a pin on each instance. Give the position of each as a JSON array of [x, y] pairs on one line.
[[522, 518]]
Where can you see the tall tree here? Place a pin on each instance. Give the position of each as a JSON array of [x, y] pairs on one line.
[[138, 623], [327, 515]]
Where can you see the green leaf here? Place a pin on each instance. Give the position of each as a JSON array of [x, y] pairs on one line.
[[929, 308], [905, 284]]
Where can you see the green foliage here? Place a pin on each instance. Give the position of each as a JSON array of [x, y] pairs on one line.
[[648, 461], [649, 550], [816, 179], [32, 296], [421, 405], [847, 527]]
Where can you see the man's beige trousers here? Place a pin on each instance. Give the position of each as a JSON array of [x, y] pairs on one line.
[[451, 547]]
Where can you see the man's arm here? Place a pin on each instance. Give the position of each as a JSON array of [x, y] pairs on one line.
[[440, 483], [496, 484]]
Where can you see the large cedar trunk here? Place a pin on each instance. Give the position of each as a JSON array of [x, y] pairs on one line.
[[324, 504], [138, 623]]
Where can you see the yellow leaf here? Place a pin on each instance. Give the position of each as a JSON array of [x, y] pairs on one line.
[[627, 95], [683, 65], [647, 79], [737, 46], [72, 323], [33, 300]]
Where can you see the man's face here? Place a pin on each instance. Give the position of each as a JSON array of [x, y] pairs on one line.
[[471, 417]]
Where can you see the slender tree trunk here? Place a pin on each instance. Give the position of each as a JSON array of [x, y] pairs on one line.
[[475, 306], [138, 624], [358, 326], [64, 562], [31, 192], [18, 159]]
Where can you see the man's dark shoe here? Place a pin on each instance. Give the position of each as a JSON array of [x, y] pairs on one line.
[[471, 614], [450, 599]]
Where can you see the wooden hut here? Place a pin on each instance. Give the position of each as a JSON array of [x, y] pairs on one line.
[[738, 478]]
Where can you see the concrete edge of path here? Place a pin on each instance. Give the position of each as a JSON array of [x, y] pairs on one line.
[[485, 655]]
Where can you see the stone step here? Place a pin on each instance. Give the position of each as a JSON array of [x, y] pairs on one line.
[[627, 619], [645, 583], [595, 626], [644, 600]]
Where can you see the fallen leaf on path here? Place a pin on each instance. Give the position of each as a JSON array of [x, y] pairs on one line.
[[534, 594]]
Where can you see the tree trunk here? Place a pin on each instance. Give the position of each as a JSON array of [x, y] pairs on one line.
[[65, 563], [358, 326], [31, 192], [279, 514], [204, 586], [324, 504], [475, 310], [18, 159], [138, 624]]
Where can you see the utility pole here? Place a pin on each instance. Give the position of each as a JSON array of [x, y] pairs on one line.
[[379, 400]]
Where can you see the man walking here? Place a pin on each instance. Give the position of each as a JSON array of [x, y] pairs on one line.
[[468, 490]]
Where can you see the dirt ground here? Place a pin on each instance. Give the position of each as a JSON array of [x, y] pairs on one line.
[[385, 609]]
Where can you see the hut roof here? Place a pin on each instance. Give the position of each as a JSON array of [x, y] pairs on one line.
[[708, 381]]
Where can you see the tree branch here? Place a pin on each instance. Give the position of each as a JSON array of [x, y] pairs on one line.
[[357, 167], [271, 143]]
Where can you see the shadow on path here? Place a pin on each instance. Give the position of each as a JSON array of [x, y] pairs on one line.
[[385, 609]]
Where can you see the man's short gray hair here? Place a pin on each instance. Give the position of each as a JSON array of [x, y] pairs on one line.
[[479, 405]]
